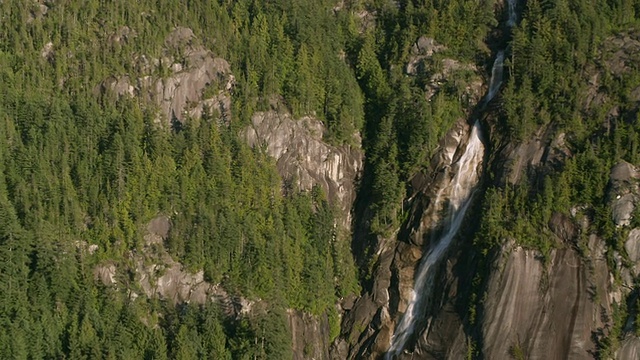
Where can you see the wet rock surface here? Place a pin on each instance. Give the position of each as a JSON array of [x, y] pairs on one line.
[[373, 317], [557, 306]]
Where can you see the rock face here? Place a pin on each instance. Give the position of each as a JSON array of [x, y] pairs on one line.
[[201, 82], [373, 317], [47, 51], [181, 94], [623, 192], [544, 311], [632, 246], [305, 159], [624, 48], [542, 152], [630, 349], [619, 56], [438, 70], [197, 81], [532, 308], [105, 273], [38, 10], [423, 49], [369, 325], [555, 306], [158, 275], [310, 335]]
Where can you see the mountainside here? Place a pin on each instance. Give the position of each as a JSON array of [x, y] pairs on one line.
[[357, 179], [538, 269]]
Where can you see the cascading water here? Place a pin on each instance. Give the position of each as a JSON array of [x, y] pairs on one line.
[[512, 13], [496, 77], [460, 192]]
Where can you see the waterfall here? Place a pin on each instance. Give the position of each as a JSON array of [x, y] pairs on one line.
[[513, 17], [460, 191], [496, 77]]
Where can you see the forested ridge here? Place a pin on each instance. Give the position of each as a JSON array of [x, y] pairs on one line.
[[81, 166], [85, 167]]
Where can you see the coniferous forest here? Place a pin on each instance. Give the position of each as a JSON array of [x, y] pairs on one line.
[[82, 167]]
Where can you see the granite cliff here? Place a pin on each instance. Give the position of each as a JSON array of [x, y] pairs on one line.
[[515, 301]]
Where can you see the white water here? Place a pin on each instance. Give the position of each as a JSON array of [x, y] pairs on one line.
[[512, 13], [496, 77], [460, 190]]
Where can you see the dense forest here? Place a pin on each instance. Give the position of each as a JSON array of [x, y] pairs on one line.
[[80, 167], [84, 166]]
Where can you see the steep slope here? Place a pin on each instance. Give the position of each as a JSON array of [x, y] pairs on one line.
[[548, 310], [545, 269], [197, 179], [135, 221]]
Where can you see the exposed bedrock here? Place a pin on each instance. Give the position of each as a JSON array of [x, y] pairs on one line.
[[304, 159], [370, 323], [545, 311]]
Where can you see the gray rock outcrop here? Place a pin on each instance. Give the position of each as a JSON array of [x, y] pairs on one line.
[[440, 70], [106, 273], [632, 246], [304, 158], [532, 158], [630, 349], [157, 275], [424, 48], [310, 335], [181, 94], [544, 310], [197, 80], [624, 192]]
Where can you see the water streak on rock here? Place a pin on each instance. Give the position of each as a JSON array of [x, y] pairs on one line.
[[460, 190]]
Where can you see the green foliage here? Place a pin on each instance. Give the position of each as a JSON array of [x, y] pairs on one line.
[[81, 167], [402, 128], [523, 212], [550, 49], [517, 352], [608, 343]]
